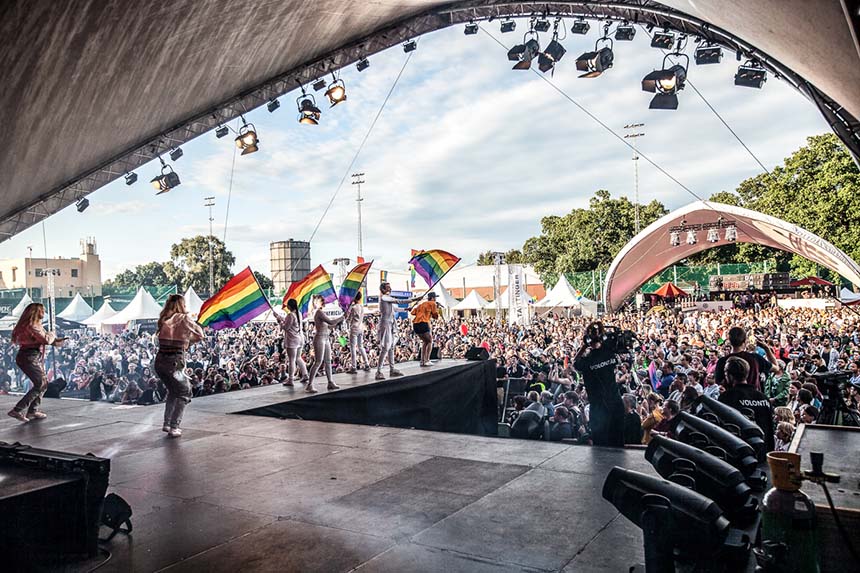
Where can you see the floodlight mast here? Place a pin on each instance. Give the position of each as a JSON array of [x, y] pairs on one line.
[[634, 135], [357, 180]]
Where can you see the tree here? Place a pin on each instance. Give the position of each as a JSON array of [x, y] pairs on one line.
[[149, 274], [512, 257], [265, 282], [189, 263]]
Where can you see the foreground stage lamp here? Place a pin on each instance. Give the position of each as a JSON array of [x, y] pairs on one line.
[[130, 178], [336, 92], [674, 239], [625, 32], [731, 233], [596, 62], [541, 25], [551, 55], [222, 131], [410, 46], [168, 179], [714, 478], [309, 113], [713, 236], [666, 83], [247, 139], [692, 237], [82, 204], [362, 64], [663, 40], [176, 153], [716, 441], [319, 85], [508, 26], [524, 53], [471, 29], [580, 27], [273, 105], [708, 54], [732, 420], [751, 75]]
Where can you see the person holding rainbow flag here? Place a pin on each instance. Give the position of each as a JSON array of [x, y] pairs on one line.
[[322, 344], [387, 332]]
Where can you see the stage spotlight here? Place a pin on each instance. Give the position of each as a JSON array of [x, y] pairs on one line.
[[732, 420], [751, 75], [708, 54], [247, 139], [663, 40], [410, 46], [362, 64], [674, 239], [175, 153], [130, 178], [713, 236], [524, 53], [716, 441], [692, 237], [731, 233], [82, 204], [318, 85], [625, 32], [508, 26], [222, 131], [336, 92], [471, 29], [273, 105], [541, 25], [714, 478], [168, 179], [666, 83], [309, 113], [596, 62], [552, 54], [580, 26]]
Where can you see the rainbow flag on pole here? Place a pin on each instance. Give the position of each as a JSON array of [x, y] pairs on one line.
[[317, 282], [238, 301], [433, 265], [352, 283]]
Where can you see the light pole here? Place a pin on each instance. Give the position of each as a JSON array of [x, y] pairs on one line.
[[633, 135], [341, 264], [357, 180], [26, 275], [498, 260], [210, 202]]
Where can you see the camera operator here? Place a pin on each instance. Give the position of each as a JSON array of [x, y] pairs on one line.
[[741, 396], [596, 362]]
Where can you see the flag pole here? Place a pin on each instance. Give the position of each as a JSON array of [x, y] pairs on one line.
[[257, 338], [438, 281]]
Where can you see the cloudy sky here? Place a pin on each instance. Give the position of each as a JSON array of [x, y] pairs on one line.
[[467, 155]]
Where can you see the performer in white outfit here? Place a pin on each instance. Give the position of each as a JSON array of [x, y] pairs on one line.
[[294, 341], [386, 330], [355, 322], [322, 343]]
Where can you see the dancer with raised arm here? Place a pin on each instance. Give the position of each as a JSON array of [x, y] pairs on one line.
[[294, 341], [322, 343], [386, 329], [355, 323], [31, 338], [176, 332]]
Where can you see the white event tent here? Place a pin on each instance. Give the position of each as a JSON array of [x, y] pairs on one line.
[[445, 298], [847, 296], [473, 302], [563, 295], [104, 313], [193, 303], [141, 307], [78, 310], [8, 322]]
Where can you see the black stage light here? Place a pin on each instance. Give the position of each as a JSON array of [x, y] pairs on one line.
[[541, 25], [716, 441], [508, 26], [175, 153], [336, 92], [309, 113], [273, 105], [751, 75], [222, 131], [550, 56], [247, 139], [625, 32], [691, 522], [595, 63], [580, 26], [732, 420], [524, 53], [708, 54], [130, 178], [318, 85], [666, 83], [167, 180], [410, 46], [82, 204], [714, 478], [362, 64], [663, 40], [471, 29]]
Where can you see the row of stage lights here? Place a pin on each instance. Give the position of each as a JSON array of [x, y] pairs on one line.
[[665, 83], [730, 229]]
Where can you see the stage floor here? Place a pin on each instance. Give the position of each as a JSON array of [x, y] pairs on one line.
[[249, 493]]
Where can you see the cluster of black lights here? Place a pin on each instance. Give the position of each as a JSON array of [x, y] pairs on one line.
[[730, 229], [665, 83]]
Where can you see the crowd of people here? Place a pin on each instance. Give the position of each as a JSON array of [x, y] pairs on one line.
[[674, 359]]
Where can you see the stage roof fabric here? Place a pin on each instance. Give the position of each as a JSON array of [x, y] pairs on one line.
[[93, 89], [650, 251]]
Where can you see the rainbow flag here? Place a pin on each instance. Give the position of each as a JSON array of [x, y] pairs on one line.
[[352, 283], [433, 264], [238, 301], [317, 282]]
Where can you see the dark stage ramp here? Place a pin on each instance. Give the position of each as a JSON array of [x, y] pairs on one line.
[[253, 493], [459, 398]]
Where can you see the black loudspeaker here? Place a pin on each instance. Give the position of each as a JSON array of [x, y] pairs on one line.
[[434, 353], [116, 512], [477, 353]]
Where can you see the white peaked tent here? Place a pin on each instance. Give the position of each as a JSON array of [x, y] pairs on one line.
[[444, 297], [104, 313], [78, 310], [473, 301], [19, 308], [562, 295], [193, 303], [141, 307], [849, 297]]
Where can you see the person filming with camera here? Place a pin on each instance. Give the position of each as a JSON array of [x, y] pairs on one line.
[[595, 360]]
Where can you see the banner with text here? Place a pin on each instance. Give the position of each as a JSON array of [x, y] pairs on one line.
[[518, 300]]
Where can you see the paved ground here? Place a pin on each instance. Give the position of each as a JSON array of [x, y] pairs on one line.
[[246, 493]]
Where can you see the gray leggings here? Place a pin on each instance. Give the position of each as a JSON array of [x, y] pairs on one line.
[[31, 364], [170, 368], [294, 358], [356, 347], [322, 355]]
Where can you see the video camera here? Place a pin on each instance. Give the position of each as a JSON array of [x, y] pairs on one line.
[[618, 340]]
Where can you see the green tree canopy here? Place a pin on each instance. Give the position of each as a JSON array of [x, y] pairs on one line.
[[149, 274], [265, 282], [189, 263], [512, 257]]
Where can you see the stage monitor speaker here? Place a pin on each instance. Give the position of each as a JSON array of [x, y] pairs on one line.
[[434, 353], [477, 353]]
